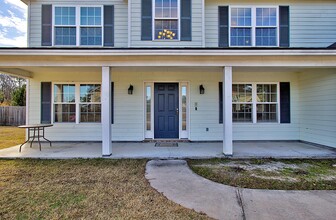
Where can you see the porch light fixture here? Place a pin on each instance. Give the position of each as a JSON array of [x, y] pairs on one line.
[[201, 88], [130, 90]]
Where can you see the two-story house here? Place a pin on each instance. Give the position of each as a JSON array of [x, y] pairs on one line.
[[201, 70]]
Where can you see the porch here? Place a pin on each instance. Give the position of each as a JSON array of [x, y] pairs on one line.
[[138, 150]]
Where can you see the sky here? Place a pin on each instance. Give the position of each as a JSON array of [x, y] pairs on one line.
[[13, 23]]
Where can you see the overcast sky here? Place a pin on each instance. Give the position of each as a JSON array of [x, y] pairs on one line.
[[13, 23]]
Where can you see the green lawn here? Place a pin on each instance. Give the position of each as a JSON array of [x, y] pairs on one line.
[[11, 136], [295, 174], [82, 189]]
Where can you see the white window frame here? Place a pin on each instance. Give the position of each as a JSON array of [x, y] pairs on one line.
[[162, 18], [77, 102], [254, 102], [88, 103], [77, 25], [254, 23]]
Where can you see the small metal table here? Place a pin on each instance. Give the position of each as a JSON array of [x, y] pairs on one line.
[[37, 131]]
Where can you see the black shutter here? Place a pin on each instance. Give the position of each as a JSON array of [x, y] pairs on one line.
[[146, 19], [220, 103], [45, 102], [284, 26], [46, 38], [185, 20], [112, 102], [108, 25], [223, 26], [285, 102]]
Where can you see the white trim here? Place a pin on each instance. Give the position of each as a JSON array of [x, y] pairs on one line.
[[129, 11], [182, 134], [203, 23], [253, 24], [28, 105], [78, 25]]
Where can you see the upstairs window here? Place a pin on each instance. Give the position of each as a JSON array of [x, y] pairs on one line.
[[65, 26], [86, 31], [166, 20], [254, 26]]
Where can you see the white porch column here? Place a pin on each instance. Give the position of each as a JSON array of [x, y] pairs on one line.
[[106, 111], [227, 111]]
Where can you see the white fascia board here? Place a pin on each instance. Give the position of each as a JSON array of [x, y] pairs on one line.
[[165, 52]]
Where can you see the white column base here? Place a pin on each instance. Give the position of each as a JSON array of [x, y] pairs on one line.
[[106, 112], [227, 111]]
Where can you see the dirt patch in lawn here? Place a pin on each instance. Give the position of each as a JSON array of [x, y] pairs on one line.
[[11, 136], [82, 189], [269, 174]]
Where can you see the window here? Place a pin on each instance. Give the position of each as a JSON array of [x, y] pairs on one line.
[[166, 20], [65, 26], [254, 26], [86, 31], [267, 101], [184, 108], [91, 30], [64, 103], [242, 102], [83, 100], [253, 102], [90, 104], [148, 107]]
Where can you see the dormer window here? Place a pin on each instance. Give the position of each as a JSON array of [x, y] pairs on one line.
[[166, 20]]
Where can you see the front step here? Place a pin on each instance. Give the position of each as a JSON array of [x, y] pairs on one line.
[[166, 141]]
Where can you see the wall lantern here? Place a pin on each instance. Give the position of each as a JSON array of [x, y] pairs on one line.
[[130, 90], [201, 88]]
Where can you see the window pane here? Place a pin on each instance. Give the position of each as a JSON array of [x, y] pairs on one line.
[[65, 16], [241, 17], [90, 16], [166, 29], [91, 36], [241, 37], [65, 36], [242, 93], [90, 93], [148, 108], [266, 112], [65, 112], [90, 112], [266, 37], [184, 108], [64, 93], [242, 112]]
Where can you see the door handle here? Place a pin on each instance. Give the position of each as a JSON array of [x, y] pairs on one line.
[[177, 111]]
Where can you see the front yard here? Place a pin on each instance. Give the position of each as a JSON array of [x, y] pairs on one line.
[[82, 189], [294, 174], [11, 136]]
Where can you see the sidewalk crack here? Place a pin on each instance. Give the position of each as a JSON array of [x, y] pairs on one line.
[[240, 202]]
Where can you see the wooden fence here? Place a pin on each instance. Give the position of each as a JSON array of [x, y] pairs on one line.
[[12, 115]]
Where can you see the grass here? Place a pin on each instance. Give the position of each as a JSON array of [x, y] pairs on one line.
[[82, 189], [294, 174], [11, 136]]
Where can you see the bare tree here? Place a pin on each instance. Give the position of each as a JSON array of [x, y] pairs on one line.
[[8, 84]]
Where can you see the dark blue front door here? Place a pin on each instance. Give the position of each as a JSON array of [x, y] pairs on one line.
[[166, 116]]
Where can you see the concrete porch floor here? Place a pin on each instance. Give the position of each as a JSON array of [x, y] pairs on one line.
[[253, 149]]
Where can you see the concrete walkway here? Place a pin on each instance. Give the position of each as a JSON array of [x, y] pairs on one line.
[[178, 183]]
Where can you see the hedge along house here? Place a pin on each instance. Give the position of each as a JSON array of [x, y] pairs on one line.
[[200, 70]]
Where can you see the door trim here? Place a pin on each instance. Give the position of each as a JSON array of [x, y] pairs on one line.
[[149, 134]]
